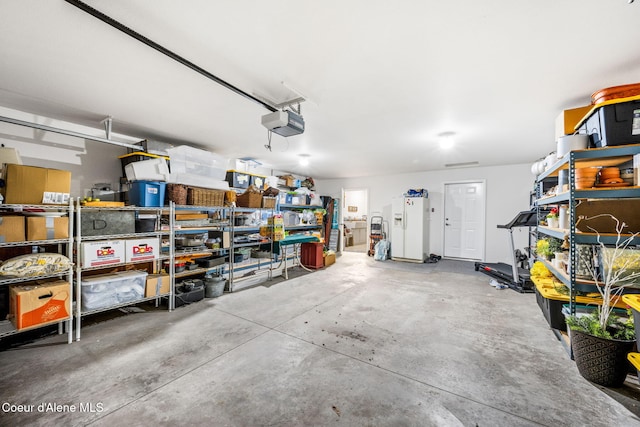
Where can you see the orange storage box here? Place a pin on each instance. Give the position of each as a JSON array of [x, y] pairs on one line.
[[39, 304]]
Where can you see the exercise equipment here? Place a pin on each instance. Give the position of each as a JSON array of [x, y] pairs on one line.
[[515, 276]]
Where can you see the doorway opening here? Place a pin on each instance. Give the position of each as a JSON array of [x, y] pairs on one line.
[[355, 210], [464, 220]]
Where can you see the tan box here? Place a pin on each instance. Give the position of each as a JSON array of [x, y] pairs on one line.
[[34, 185], [12, 229], [329, 258], [47, 228], [224, 236], [568, 119], [35, 305], [590, 215], [157, 284]]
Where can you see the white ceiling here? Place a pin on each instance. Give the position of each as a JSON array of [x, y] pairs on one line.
[[382, 79]]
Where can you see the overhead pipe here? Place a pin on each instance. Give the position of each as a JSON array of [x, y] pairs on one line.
[[128, 31], [67, 132]]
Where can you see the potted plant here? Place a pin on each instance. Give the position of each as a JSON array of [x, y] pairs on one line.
[[548, 246], [552, 218], [600, 341]]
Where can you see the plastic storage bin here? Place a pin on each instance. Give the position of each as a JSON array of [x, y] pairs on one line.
[[194, 161], [238, 179], [613, 124], [138, 156], [147, 193], [148, 170], [107, 290]]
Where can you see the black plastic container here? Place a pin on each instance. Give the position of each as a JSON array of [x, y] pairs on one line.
[[145, 225], [238, 179], [552, 311], [613, 124], [210, 261], [194, 295]]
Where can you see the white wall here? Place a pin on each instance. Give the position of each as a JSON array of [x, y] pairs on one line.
[[90, 162], [93, 162], [357, 199], [507, 188]]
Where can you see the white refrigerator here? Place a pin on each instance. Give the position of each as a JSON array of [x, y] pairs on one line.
[[410, 229]]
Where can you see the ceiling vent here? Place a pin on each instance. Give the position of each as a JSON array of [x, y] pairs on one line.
[[460, 165]]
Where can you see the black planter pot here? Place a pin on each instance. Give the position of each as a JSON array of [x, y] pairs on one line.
[[600, 360]]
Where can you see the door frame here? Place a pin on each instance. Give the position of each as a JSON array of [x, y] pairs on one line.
[[343, 210], [483, 182]]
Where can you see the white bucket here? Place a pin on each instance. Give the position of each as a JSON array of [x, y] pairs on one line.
[[571, 143]]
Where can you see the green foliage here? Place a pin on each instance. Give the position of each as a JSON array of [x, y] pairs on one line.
[[616, 327], [548, 246]]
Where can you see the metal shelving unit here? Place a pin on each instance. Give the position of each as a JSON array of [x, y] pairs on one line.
[[79, 239], [256, 268], [608, 156], [6, 327], [199, 251]]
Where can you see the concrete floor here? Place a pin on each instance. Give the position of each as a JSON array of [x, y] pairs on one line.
[[361, 343]]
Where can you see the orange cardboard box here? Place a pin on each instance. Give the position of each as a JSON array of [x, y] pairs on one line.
[[47, 228], [12, 229], [39, 304]]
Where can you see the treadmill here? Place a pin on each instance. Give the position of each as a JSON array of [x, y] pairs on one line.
[[514, 276]]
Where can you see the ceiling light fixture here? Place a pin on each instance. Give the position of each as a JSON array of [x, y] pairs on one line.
[[446, 139], [304, 160]]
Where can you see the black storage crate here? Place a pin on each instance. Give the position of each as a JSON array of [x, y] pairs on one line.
[[613, 124], [184, 298], [210, 261], [552, 311], [238, 179]]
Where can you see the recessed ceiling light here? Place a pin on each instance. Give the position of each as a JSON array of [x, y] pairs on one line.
[[304, 160]]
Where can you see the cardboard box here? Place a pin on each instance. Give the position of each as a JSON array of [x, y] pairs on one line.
[[96, 254], [142, 249], [568, 119], [34, 185], [157, 284], [329, 258], [39, 304], [12, 229], [625, 210], [224, 236], [47, 228]]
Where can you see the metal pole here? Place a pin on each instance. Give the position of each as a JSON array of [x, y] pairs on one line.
[[66, 132]]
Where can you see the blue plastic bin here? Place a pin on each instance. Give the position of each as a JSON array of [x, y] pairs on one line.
[[147, 193]]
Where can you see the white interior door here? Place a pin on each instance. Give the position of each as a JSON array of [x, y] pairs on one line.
[[464, 220]]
